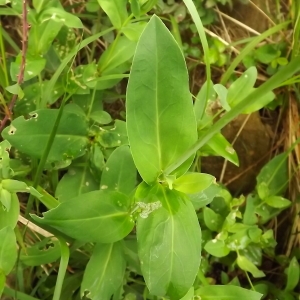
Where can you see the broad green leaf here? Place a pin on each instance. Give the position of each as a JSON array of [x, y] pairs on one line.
[[169, 242], [189, 295], [10, 218], [14, 186], [97, 216], [147, 6], [250, 217], [218, 145], [42, 35], [135, 8], [104, 272], [115, 136], [278, 202], [116, 11], [212, 220], [5, 160], [31, 135], [120, 51], [204, 107], [119, 173], [160, 120], [275, 174], [246, 265], [101, 117], [34, 66], [133, 31], [192, 183], [217, 248], [40, 253], [292, 275], [262, 190], [2, 281], [131, 254], [96, 159], [205, 197], [61, 16], [226, 292], [16, 89], [222, 93], [74, 183], [242, 87], [266, 53], [8, 249], [259, 103], [5, 199]]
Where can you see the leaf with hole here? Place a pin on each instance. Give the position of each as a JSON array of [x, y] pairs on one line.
[[41, 253], [160, 119], [30, 136], [97, 216]]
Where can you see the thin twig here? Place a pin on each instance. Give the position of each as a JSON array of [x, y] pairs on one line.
[[22, 66]]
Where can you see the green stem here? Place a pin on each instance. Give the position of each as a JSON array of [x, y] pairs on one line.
[[21, 296], [113, 45], [43, 160], [200, 28], [255, 96], [65, 253]]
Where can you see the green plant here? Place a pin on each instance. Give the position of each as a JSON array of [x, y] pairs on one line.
[[111, 225]]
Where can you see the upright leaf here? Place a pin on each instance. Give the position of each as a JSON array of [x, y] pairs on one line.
[[160, 119], [274, 175], [8, 249], [119, 173], [104, 272], [10, 218], [98, 216], [169, 242], [116, 11]]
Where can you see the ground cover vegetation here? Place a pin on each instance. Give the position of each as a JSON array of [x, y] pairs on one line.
[[149, 149]]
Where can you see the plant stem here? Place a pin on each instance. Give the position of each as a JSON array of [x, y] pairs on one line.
[[271, 84]]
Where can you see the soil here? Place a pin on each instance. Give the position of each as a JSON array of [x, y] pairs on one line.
[[252, 146], [254, 142]]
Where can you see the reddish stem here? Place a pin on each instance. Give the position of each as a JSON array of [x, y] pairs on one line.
[[22, 67]]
